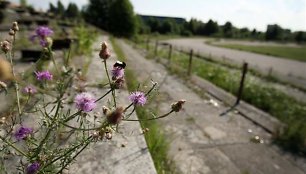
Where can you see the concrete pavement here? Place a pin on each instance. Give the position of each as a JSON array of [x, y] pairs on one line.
[[201, 141]]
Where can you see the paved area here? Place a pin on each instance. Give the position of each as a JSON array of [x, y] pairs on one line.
[[202, 142], [286, 70]]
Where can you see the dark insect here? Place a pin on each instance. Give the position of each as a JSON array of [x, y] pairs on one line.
[[120, 64]]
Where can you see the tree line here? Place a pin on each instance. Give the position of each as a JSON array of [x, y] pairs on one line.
[[118, 17], [72, 11], [212, 28]]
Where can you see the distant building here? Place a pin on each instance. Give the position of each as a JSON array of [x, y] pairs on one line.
[[162, 18]]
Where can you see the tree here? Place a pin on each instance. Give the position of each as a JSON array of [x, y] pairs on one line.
[[60, 8], [23, 3], [97, 13], [52, 8], [122, 18], [274, 32], [210, 28], [300, 36], [228, 30], [72, 11]]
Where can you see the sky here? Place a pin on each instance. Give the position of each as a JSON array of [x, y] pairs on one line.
[[257, 14]]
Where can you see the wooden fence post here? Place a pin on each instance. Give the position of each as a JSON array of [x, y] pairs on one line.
[[147, 46], [155, 51], [244, 71], [190, 62], [170, 54]]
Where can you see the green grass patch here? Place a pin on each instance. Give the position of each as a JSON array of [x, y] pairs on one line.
[[294, 53], [256, 92], [155, 138]]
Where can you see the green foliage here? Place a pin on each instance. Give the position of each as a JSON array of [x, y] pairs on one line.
[[168, 25], [86, 36], [210, 28], [60, 8], [23, 3], [52, 8], [228, 30], [274, 32], [97, 13], [72, 11], [123, 20]]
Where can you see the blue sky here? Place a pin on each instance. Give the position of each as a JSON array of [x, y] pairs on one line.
[[242, 13]]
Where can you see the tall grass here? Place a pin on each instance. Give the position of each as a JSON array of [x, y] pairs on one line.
[[294, 53], [155, 138]]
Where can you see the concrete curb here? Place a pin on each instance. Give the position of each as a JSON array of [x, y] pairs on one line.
[[263, 119]]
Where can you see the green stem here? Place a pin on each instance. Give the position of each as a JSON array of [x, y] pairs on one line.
[[154, 118], [103, 95], [109, 81], [66, 153], [53, 60], [72, 116], [87, 143], [14, 147], [49, 130], [13, 72], [105, 124]]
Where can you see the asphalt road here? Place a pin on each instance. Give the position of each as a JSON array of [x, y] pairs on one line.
[[286, 70]]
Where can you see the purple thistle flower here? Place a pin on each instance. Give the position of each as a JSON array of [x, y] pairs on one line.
[[138, 98], [42, 33], [43, 75], [85, 102], [33, 168], [29, 90], [117, 72], [22, 133]]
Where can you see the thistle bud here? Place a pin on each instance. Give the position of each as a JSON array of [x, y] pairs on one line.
[[176, 107], [5, 46], [105, 110], [49, 41], [108, 135], [11, 32], [3, 86], [104, 53], [104, 46], [15, 26], [115, 116], [95, 135]]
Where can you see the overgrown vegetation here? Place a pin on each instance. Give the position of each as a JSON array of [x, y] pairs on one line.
[[155, 138], [295, 53], [267, 98], [85, 38]]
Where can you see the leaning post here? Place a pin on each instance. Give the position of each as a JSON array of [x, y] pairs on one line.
[[190, 62]]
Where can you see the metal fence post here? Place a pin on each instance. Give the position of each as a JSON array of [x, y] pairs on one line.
[[244, 71], [190, 62]]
